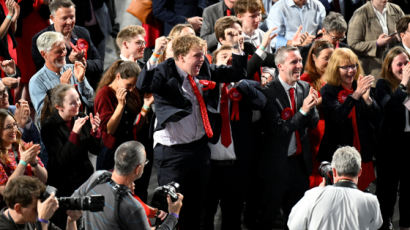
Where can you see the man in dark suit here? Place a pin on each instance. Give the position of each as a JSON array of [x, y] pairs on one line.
[[183, 127], [289, 112], [63, 17], [210, 15]]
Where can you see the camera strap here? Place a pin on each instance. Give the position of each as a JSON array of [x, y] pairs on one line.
[[346, 184]]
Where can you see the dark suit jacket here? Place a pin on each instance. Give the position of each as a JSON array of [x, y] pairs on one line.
[[277, 132], [391, 134], [170, 102], [210, 15], [339, 129], [94, 62], [172, 12]]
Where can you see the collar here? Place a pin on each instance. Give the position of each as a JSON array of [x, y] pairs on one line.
[[181, 73], [406, 48], [54, 73], [291, 3], [285, 85], [378, 12], [124, 58], [225, 7]]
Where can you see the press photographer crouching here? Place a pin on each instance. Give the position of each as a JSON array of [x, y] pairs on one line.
[[122, 210], [341, 205], [25, 210]]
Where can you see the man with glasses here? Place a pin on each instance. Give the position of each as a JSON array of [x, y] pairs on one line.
[[131, 42], [123, 211], [334, 31], [63, 18]]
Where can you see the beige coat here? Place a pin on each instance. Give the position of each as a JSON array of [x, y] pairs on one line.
[[363, 31]]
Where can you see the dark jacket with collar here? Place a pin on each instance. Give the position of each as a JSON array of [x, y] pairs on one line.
[[94, 61]]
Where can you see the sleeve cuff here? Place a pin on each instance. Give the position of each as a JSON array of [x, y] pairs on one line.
[[262, 54], [74, 138]]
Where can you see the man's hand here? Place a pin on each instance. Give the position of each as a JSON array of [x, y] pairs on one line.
[[11, 82], [175, 207], [65, 77], [22, 113], [196, 22], [76, 55], [47, 208], [384, 39], [8, 66], [310, 101], [79, 71], [267, 38], [301, 39]]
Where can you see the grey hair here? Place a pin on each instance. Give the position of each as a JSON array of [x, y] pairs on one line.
[[128, 156], [334, 22], [57, 4], [347, 161], [282, 53], [47, 39]]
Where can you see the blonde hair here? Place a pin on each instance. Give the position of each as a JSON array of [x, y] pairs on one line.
[[128, 33], [341, 56], [182, 45]]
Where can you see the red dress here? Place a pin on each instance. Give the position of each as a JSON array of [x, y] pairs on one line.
[[315, 136]]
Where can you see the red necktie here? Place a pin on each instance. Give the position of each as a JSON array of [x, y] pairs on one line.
[[225, 130], [228, 12], [202, 106], [292, 99]]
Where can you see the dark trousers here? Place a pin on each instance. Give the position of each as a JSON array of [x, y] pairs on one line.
[[226, 189], [187, 164], [284, 189], [393, 177]]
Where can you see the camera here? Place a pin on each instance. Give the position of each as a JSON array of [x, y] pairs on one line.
[[325, 171], [93, 203], [159, 199]]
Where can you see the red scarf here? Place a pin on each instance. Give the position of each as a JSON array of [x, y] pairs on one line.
[[343, 94]]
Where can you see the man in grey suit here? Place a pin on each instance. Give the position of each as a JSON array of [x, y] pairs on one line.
[[210, 15]]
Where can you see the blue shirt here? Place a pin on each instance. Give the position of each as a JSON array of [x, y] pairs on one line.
[[287, 16], [45, 79]]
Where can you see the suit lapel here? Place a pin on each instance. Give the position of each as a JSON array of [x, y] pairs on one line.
[[281, 94], [299, 96]]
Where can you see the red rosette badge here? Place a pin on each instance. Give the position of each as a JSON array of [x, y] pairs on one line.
[[207, 85], [82, 46], [235, 97], [343, 94], [286, 113]]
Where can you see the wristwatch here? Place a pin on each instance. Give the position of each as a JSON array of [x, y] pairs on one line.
[[403, 88]]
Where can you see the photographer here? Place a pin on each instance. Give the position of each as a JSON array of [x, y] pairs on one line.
[[340, 206], [26, 211], [122, 210]]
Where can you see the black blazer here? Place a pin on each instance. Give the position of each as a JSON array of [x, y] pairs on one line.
[[94, 62], [256, 62], [277, 132], [338, 126], [170, 102], [68, 164], [391, 134]]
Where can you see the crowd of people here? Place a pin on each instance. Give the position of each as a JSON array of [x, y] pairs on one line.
[[238, 101]]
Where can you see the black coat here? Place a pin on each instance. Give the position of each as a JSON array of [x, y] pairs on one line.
[[68, 164], [338, 126]]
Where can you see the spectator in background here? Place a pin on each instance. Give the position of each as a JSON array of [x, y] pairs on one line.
[[338, 206], [52, 48], [334, 31], [122, 109], [371, 32], [178, 11], [403, 30], [249, 13], [350, 113], [63, 17], [9, 13], [317, 60], [68, 136], [131, 42], [288, 15], [16, 157], [11, 77], [392, 92], [210, 16]]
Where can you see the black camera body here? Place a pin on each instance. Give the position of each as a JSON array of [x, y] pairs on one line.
[[93, 203], [159, 199], [325, 171]]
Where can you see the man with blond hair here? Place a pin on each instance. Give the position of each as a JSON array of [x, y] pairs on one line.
[[182, 125], [131, 42]]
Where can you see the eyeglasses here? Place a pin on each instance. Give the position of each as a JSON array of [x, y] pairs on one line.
[[337, 38], [11, 126], [140, 43], [347, 67]]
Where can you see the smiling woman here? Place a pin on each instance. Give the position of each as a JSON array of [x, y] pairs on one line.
[[16, 157], [350, 113]]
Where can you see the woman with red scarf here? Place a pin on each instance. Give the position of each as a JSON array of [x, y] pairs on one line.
[[317, 60], [349, 111]]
